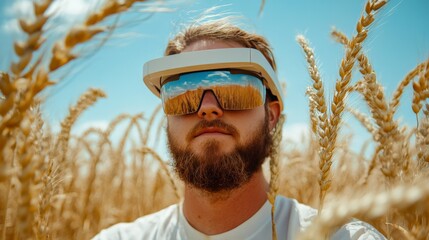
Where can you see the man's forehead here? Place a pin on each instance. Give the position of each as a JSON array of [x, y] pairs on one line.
[[208, 44]]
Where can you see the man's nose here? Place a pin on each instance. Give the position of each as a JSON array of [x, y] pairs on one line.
[[210, 108]]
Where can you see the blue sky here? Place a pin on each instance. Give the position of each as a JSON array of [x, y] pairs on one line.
[[397, 42]]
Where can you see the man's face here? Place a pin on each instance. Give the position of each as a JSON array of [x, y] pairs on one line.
[[217, 150]]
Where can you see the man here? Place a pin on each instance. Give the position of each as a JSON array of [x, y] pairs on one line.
[[222, 99]]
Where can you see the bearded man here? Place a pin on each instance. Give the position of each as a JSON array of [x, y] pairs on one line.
[[222, 99]]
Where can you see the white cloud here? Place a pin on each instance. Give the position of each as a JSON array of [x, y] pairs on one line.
[[296, 133], [20, 8], [218, 74], [11, 26], [64, 12], [72, 8]]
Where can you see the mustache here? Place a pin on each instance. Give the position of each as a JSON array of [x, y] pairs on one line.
[[214, 123]]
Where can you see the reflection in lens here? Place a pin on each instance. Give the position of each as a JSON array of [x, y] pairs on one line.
[[236, 91], [183, 104], [237, 97]]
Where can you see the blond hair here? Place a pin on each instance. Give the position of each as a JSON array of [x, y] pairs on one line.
[[220, 29]]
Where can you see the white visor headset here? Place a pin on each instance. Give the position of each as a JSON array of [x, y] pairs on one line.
[[236, 76]]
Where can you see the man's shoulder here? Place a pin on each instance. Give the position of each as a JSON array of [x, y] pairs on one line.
[[146, 227], [359, 230], [297, 213]]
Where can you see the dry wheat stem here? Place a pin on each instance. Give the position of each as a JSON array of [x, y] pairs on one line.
[[405, 234], [86, 100], [151, 122], [58, 162], [274, 170], [159, 128], [147, 150], [90, 185], [133, 122]]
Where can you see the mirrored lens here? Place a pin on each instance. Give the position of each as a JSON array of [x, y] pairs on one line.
[[236, 91]]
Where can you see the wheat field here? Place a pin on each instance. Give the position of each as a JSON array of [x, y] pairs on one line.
[[57, 185]]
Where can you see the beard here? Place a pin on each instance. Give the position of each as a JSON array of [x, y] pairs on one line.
[[215, 171]]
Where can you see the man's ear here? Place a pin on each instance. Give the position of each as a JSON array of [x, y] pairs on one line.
[[273, 113]]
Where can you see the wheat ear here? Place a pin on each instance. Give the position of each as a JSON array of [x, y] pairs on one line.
[[28, 159], [6, 105], [329, 128], [404, 83], [423, 141], [388, 132], [339, 37], [34, 30], [312, 96], [341, 88], [421, 89], [322, 114], [36, 80]]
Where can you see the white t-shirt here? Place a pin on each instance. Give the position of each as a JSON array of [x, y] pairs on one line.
[[291, 217]]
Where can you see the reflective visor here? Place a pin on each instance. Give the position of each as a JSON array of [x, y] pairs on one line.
[[234, 90]]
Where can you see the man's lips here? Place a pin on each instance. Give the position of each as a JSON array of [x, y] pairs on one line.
[[211, 130]]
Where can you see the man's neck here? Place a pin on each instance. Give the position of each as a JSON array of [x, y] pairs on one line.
[[214, 213]]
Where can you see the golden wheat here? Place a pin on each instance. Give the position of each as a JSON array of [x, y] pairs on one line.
[[66, 186]]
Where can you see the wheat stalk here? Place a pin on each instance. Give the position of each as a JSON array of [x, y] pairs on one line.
[[329, 128], [56, 164], [147, 150], [274, 170]]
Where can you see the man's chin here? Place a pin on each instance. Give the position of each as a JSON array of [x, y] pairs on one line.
[[213, 148]]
